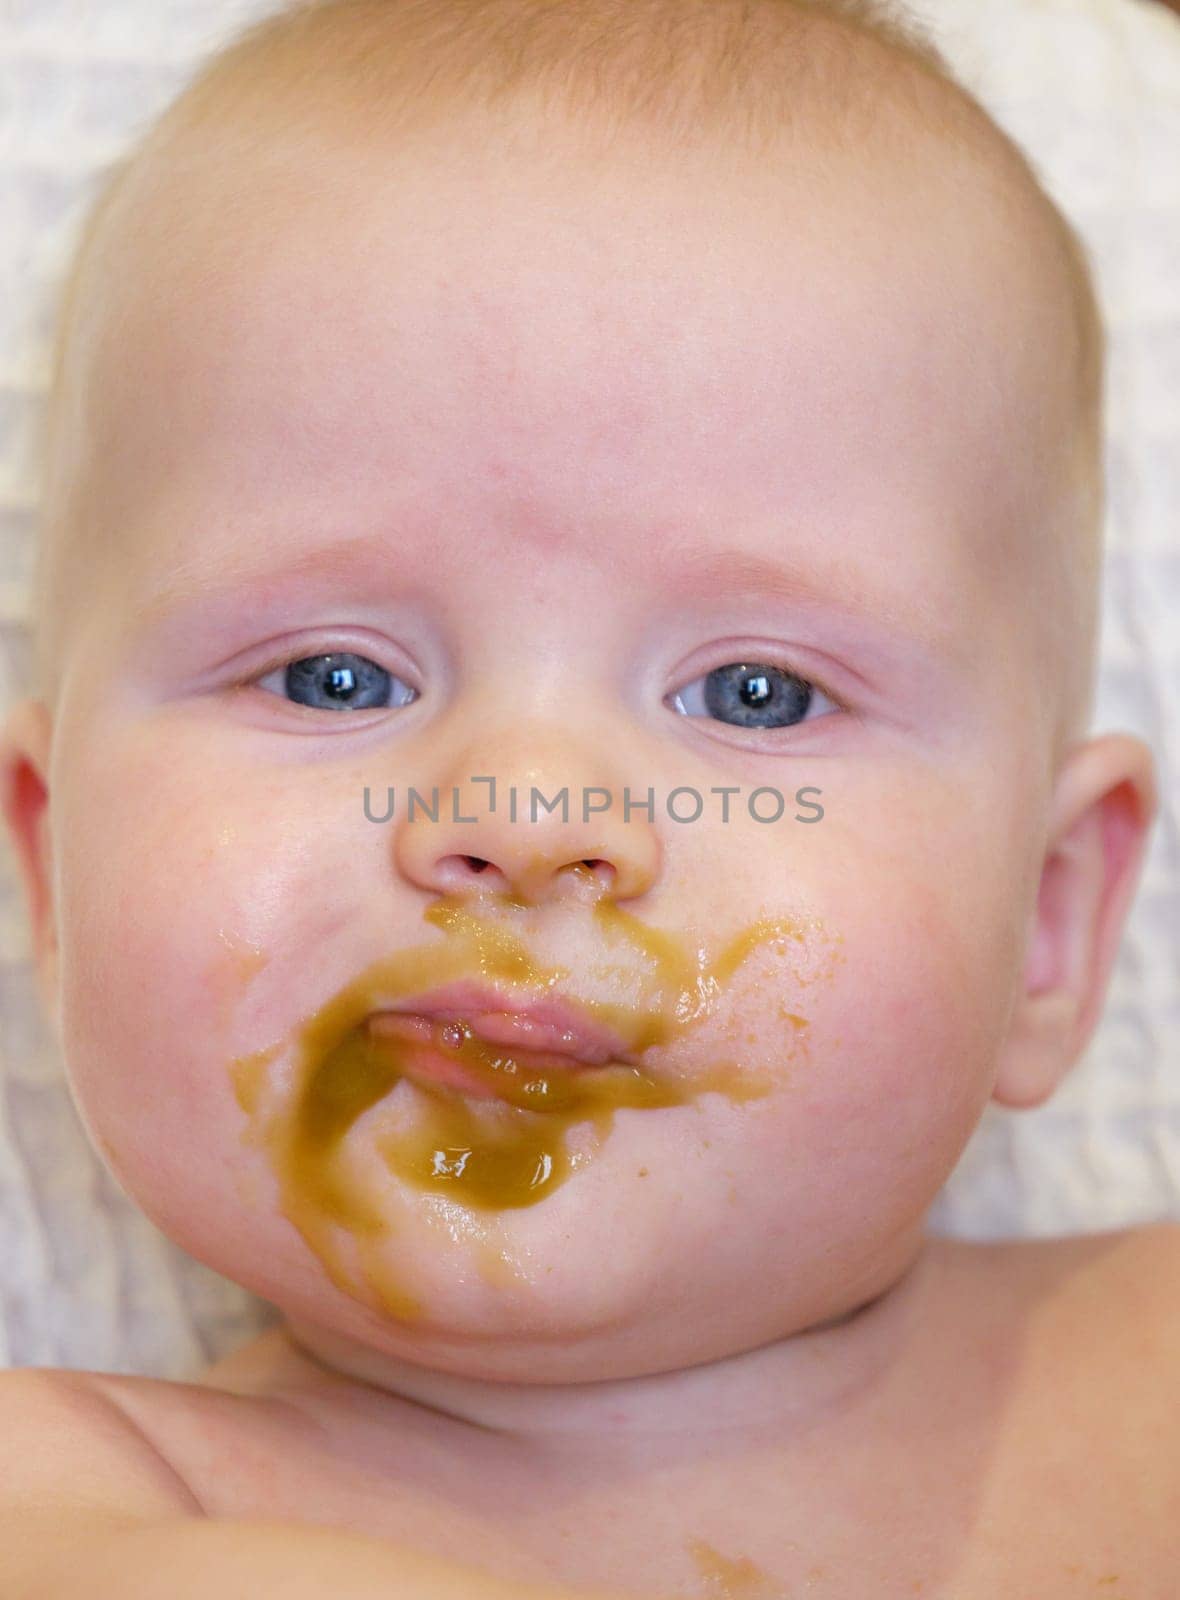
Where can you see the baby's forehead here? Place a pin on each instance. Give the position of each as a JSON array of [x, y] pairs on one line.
[[252, 274], [822, 247], [822, 270], [895, 164], [690, 368]]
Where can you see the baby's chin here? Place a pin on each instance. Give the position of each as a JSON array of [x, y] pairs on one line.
[[713, 1364], [663, 1249]]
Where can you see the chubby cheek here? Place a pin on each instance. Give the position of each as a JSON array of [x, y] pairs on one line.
[[169, 913], [904, 1039]]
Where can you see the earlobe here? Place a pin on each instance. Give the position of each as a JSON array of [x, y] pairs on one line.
[[24, 798], [1103, 807]]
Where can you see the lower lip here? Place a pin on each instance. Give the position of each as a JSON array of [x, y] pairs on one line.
[[426, 1065], [423, 1060]]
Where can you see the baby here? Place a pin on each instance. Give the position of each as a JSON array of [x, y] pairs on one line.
[[557, 790]]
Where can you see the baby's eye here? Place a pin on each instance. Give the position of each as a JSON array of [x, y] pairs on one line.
[[342, 681], [751, 695]]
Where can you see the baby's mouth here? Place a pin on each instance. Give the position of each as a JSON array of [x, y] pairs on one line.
[[540, 1065], [504, 1034], [432, 1050], [544, 1022]]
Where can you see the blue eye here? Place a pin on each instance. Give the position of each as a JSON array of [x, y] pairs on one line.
[[339, 682], [751, 695]]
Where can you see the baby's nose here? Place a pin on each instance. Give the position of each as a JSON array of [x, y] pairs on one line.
[[526, 851], [534, 881]]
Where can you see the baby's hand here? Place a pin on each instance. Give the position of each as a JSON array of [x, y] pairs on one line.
[[89, 1510]]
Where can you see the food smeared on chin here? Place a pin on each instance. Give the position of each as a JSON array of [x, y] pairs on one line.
[[494, 1065]]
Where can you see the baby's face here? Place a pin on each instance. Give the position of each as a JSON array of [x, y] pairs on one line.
[[548, 455]]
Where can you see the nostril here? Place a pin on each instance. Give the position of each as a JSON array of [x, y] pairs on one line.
[[591, 875], [592, 871], [452, 873]]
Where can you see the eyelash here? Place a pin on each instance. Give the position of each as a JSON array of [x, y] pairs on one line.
[[758, 657], [763, 656], [291, 658]]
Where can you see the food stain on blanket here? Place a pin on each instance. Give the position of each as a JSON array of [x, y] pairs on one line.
[[485, 1123]]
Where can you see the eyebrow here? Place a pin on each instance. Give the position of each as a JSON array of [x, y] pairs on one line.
[[358, 555], [890, 609], [887, 612]]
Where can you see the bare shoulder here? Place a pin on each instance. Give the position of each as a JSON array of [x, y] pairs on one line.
[[1066, 1353], [89, 1507], [73, 1466], [1122, 1289], [1104, 1363], [1087, 1329], [1142, 1290], [1108, 1298], [67, 1445]]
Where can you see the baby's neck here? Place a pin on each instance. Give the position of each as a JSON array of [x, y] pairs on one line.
[[783, 1386]]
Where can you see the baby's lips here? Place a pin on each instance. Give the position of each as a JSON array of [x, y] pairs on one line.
[[529, 1033], [546, 1024]]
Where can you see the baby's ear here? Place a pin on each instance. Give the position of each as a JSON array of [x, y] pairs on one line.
[[1103, 805], [24, 796]]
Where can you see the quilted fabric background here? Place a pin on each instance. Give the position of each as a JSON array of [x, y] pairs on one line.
[[1092, 90]]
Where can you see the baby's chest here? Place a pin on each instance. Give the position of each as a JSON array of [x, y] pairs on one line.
[[977, 1509]]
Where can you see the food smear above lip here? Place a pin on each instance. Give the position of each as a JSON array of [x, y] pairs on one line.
[[492, 1114]]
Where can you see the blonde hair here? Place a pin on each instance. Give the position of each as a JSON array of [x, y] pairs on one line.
[[738, 71]]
